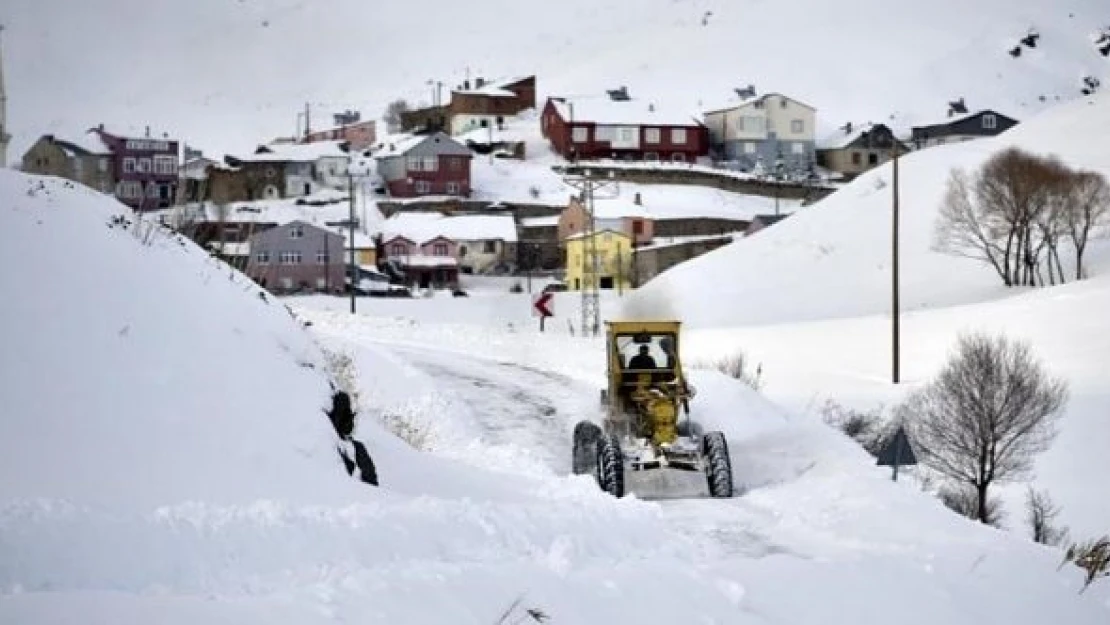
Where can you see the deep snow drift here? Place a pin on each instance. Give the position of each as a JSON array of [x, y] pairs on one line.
[[832, 259], [854, 60]]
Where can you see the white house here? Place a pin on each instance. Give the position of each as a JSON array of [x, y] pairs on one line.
[[308, 166], [762, 129]]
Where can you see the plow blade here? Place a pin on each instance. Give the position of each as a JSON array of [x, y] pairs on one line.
[[665, 483]]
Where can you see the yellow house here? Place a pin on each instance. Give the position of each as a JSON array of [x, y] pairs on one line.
[[614, 260]]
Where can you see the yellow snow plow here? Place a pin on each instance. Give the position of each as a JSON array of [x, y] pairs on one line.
[[646, 443]]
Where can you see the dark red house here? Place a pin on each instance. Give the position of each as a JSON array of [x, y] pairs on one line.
[[145, 168], [422, 165], [621, 128]]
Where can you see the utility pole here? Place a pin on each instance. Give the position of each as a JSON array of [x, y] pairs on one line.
[[895, 312], [307, 123], [351, 225], [591, 282]]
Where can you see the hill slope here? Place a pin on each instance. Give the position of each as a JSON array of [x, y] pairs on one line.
[[856, 60], [833, 259]]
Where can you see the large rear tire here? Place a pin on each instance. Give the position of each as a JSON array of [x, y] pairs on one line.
[[610, 466], [718, 465], [586, 436]]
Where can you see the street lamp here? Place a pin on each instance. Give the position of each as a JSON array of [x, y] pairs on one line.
[[358, 165]]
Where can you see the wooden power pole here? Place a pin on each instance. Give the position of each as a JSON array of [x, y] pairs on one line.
[[895, 312]]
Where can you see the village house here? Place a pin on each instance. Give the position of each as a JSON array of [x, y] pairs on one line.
[[614, 260], [297, 257], [539, 246], [141, 169], [616, 214], [349, 129], [424, 264], [664, 253], [750, 130], [285, 170], [483, 244], [193, 176], [618, 127], [480, 103], [853, 149], [985, 123], [86, 160], [421, 165]]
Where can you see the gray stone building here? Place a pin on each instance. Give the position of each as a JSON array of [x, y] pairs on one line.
[[297, 257], [753, 133], [86, 160]]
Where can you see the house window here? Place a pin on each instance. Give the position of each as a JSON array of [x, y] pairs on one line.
[[398, 249], [990, 122], [872, 158], [797, 126], [489, 247], [678, 136], [152, 190], [651, 135], [262, 258], [452, 188], [103, 164], [637, 226], [782, 102], [439, 249], [798, 147], [144, 165], [128, 165], [296, 232], [580, 134], [321, 284], [286, 283], [462, 250], [414, 163], [290, 258], [749, 147], [423, 186], [856, 159], [165, 165], [605, 133], [431, 163], [322, 258]]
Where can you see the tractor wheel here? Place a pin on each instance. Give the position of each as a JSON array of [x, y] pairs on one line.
[[586, 435], [610, 466], [718, 465]]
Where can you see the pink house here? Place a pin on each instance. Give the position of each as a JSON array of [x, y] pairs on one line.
[[428, 264]]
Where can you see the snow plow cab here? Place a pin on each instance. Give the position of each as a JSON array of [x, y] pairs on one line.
[[646, 443]]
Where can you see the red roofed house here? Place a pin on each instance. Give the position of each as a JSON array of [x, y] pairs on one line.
[[426, 264], [617, 127]]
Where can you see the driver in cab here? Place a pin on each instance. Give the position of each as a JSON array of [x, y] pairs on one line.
[[642, 360]]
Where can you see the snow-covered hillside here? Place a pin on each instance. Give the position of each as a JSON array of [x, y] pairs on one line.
[[164, 458], [233, 73], [833, 259]]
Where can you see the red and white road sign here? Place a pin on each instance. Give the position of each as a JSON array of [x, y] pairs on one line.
[[543, 305]]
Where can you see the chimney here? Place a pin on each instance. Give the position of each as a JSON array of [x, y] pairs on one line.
[[479, 83], [148, 132], [100, 127], [466, 85], [637, 200]]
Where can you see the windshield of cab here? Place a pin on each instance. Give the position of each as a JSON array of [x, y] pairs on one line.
[[646, 351]]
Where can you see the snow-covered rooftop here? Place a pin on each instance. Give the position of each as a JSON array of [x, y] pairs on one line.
[[603, 110], [494, 88], [89, 142], [617, 208], [734, 101], [423, 227], [840, 138], [294, 152]]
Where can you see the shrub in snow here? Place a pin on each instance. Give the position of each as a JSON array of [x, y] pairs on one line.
[[868, 428], [515, 614], [737, 366], [1041, 514], [964, 499], [1093, 557], [989, 411], [409, 429], [516, 288]]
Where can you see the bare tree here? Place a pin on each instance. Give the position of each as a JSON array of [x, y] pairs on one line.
[[1093, 557], [985, 416], [965, 228], [1041, 512], [393, 112], [1087, 210]]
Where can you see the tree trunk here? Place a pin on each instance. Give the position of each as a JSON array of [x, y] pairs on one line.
[[981, 510]]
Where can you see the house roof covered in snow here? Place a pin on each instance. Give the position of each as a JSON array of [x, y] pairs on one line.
[[294, 152], [606, 111], [619, 208], [423, 227], [736, 101], [82, 144], [498, 88], [405, 143], [843, 136]]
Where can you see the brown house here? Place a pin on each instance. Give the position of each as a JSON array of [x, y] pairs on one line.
[[854, 149], [87, 161], [618, 127], [618, 215], [474, 104], [422, 165], [358, 135]]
